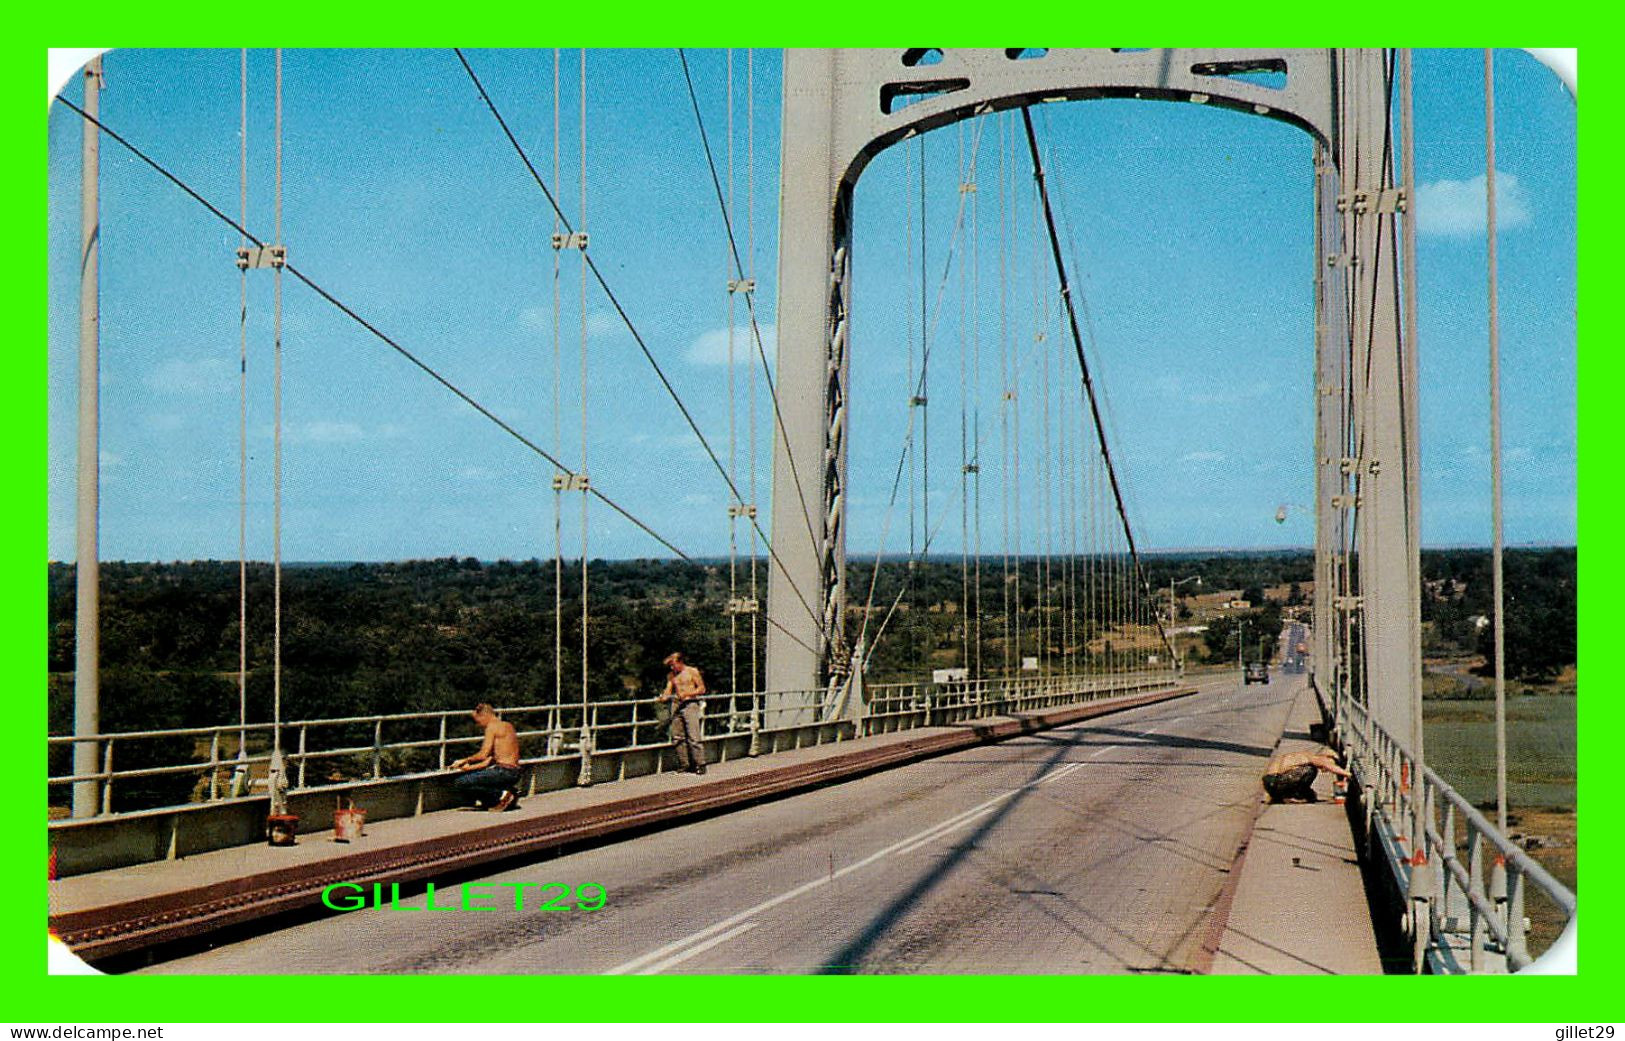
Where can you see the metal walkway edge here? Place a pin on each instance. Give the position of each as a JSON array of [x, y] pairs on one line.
[[105, 926]]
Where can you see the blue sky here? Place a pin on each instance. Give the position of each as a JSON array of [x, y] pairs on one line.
[[1190, 234]]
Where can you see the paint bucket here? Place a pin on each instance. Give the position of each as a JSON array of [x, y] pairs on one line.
[[347, 823], [281, 829]]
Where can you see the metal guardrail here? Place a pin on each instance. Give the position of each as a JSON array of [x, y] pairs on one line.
[[403, 745], [1471, 881]]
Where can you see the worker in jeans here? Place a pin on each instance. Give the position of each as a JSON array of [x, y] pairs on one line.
[[1291, 775], [686, 685], [491, 775]]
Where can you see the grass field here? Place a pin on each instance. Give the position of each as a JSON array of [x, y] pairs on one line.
[[1459, 740]]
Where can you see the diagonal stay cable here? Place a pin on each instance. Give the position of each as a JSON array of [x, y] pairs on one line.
[[380, 334], [626, 319], [750, 302]]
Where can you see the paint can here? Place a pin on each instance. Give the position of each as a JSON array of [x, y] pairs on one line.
[[281, 829], [348, 822]]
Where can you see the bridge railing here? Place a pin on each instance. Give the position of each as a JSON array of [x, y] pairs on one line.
[[214, 763], [1473, 895]]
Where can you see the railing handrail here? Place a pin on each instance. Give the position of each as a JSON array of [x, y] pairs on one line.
[[575, 729]]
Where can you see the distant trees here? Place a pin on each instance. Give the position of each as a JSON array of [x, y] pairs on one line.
[[424, 635]]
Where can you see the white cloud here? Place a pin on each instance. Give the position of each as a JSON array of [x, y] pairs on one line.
[[204, 376], [711, 347], [1456, 208], [599, 323]]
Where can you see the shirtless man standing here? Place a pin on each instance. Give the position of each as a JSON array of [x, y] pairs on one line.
[[1291, 775], [491, 775], [686, 685]]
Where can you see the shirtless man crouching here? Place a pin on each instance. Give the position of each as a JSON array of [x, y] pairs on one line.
[[1291, 775], [491, 775]]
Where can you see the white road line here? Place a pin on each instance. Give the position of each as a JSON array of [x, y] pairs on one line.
[[676, 959], [637, 965]]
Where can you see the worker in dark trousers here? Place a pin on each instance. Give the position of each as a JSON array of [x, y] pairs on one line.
[[1291, 775], [687, 686]]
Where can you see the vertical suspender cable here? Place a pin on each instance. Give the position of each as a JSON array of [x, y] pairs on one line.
[[1004, 387], [242, 429], [276, 536], [750, 273], [558, 432], [924, 401], [1017, 489], [964, 446], [1498, 577], [733, 476], [581, 226], [976, 414]]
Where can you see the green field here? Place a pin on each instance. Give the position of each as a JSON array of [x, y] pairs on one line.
[[1459, 740]]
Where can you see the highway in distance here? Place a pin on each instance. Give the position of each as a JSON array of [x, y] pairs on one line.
[[1100, 847]]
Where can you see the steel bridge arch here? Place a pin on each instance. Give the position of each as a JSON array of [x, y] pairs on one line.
[[842, 107]]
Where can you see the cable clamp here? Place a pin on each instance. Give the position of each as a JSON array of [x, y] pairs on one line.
[[1343, 502], [262, 256], [571, 483], [742, 605], [967, 186], [1386, 200], [742, 509], [1348, 603], [1347, 465], [917, 401], [972, 468], [741, 285], [572, 240], [1338, 260]]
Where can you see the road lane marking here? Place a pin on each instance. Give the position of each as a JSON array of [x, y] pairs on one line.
[[699, 948], [639, 964]]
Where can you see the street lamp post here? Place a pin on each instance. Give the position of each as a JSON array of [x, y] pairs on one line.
[[1172, 616]]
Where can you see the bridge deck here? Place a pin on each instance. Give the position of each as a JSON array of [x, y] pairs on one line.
[[227, 881], [1299, 905]]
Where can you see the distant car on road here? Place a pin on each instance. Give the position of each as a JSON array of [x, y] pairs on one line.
[[1256, 672]]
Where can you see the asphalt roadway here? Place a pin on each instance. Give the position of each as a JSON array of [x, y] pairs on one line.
[[1100, 847]]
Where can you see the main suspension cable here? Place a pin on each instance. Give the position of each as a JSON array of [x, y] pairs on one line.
[[1083, 364], [626, 319], [350, 313]]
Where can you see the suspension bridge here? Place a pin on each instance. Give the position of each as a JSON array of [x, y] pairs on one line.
[[1020, 775]]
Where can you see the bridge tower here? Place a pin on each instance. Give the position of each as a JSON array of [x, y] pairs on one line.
[[843, 107]]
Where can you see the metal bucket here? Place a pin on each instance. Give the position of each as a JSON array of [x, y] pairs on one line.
[[282, 829], [348, 822]]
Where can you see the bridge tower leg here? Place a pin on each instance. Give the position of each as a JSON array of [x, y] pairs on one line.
[[1381, 452]]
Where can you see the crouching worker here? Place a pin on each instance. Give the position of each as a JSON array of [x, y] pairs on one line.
[[491, 775], [1291, 775]]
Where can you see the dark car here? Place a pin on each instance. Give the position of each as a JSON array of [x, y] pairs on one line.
[[1256, 672]]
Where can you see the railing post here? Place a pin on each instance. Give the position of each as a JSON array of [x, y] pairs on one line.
[[442, 742], [1475, 889], [214, 766], [302, 730], [107, 778], [584, 775], [1517, 949], [377, 748], [755, 724]]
